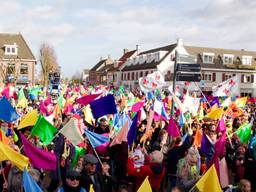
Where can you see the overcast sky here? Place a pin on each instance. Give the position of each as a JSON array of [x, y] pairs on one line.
[[82, 31]]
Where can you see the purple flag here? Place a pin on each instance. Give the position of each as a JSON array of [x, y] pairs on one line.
[[220, 145], [39, 158], [172, 128], [85, 100], [132, 131], [221, 126], [103, 106], [205, 144]]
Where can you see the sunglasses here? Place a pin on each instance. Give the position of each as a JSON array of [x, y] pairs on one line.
[[74, 178]]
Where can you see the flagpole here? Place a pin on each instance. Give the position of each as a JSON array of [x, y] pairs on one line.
[[202, 94], [97, 155]]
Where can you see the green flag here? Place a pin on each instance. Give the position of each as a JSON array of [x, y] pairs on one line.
[[44, 130], [21, 94], [244, 132], [61, 101], [79, 151]]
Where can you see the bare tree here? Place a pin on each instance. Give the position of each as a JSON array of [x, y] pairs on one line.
[[48, 61]]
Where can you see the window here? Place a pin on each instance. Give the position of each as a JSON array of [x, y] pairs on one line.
[[137, 75], [247, 78], [146, 73], [132, 76], [208, 57], [228, 59], [141, 74], [122, 77], [128, 76], [10, 68], [24, 68], [207, 76], [246, 60], [125, 76], [11, 49], [228, 76]]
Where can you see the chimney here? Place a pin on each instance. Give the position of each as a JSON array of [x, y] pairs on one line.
[[138, 49], [125, 51], [242, 49], [179, 42], [101, 58]]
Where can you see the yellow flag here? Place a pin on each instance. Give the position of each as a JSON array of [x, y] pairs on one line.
[[216, 114], [209, 182], [91, 188], [241, 102], [23, 103], [145, 186], [88, 117], [7, 153], [214, 107], [29, 119]]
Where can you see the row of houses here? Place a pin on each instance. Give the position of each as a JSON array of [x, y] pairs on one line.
[[217, 65]]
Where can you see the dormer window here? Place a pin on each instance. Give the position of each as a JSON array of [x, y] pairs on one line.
[[246, 60], [11, 49], [228, 58], [208, 57]]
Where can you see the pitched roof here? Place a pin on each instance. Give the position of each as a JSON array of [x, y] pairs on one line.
[[24, 52], [154, 63], [218, 54], [95, 67]]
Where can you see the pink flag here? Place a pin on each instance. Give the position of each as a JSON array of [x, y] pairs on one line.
[[172, 128], [42, 108], [39, 158], [224, 179], [6, 92], [101, 149], [136, 107], [221, 126], [220, 145], [122, 135], [85, 100]]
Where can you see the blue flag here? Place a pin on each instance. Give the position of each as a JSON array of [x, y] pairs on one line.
[[131, 136], [96, 139], [7, 112], [103, 106], [29, 183]]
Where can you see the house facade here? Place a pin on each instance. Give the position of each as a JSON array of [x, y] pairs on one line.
[[217, 65], [17, 62], [98, 74]]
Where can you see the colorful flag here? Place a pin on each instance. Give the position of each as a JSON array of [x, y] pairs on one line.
[[44, 130], [137, 106], [96, 139], [152, 82], [7, 153], [244, 133], [88, 117], [241, 102], [209, 182], [103, 106], [205, 144], [132, 131], [198, 138], [145, 186], [122, 135], [3, 138], [29, 184], [216, 114], [172, 128], [91, 188], [220, 145], [78, 152], [72, 133], [39, 158], [85, 100], [7, 112], [180, 106], [221, 126], [29, 119], [227, 102], [22, 100], [61, 101], [227, 88]]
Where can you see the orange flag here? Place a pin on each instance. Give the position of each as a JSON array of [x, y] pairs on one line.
[[198, 138], [4, 139]]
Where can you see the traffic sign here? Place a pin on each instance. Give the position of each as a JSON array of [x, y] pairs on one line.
[[196, 77], [186, 59], [188, 67]]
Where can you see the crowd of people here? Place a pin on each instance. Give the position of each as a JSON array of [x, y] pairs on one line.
[[172, 149]]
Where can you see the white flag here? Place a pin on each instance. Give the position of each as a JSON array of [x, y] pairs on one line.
[[152, 81], [72, 133], [227, 88]]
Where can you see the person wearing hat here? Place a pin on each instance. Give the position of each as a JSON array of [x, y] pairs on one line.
[[72, 182], [154, 169], [103, 126], [101, 180]]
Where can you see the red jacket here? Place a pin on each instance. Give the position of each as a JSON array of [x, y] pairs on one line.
[[154, 171]]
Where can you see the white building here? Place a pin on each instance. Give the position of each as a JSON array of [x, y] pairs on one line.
[[217, 65]]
